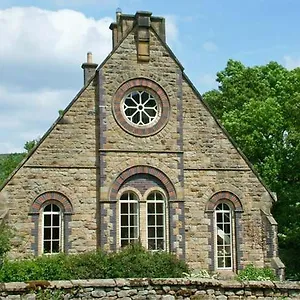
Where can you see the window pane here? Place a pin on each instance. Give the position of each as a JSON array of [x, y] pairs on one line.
[[227, 228], [151, 208], [55, 246], [160, 244], [160, 232], [133, 207], [47, 246], [55, 233], [151, 244], [47, 233], [151, 232], [133, 220], [219, 217], [55, 207], [47, 208], [124, 232], [151, 219], [133, 232], [47, 220], [124, 243], [55, 220], [228, 262], [124, 208], [160, 220], [124, 220], [159, 208]]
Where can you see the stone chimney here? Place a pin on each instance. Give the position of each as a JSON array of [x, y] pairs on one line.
[[88, 68], [143, 21]]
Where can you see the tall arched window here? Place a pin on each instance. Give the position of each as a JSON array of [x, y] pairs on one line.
[[129, 218], [52, 229], [156, 238], [223, 225]]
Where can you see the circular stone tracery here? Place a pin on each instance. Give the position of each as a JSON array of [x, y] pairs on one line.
[[141, 107]]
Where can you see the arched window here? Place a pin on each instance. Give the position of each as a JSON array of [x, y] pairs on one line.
[[52, 229], [129, 218], [156, 237], [224, 241]]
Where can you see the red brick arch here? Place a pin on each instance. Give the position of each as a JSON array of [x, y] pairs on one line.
[[227, 196], [142, 170], [59, 197]]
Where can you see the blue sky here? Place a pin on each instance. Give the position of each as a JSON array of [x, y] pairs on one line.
[[43, 44]]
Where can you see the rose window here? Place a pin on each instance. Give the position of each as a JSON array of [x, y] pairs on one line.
[[140, 108]]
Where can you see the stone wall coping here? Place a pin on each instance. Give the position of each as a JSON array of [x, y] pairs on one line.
[[135, 282]]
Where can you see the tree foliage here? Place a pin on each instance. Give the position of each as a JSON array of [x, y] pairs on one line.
[[260, 108]]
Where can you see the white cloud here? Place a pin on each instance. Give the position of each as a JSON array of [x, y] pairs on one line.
[[171, 29], [28, 115], [210, 46], [291, 63], [35, 35]]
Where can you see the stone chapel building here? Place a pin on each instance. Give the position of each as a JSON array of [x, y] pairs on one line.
[[139, 156]]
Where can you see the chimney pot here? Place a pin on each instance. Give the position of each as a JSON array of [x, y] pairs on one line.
[[89, 68], [89, 58]]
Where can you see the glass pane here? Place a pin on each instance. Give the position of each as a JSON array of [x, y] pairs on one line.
[[160, 244], [124, 232], [47, 246], [160, 232], [55, 233], [225, 206], [55, 207], [151, 219], [227, 239], [151, 196], [124, 243], [133, 207], [227, 217], [47, 208], [151, 244], [227, 228], [151, 208], [160, 220], [151, 232], [159, 208], [47, 220], [220, 262], [47, 233], [159, 196], [220, 229], [219, 217], [55, 247], [133, 220], [124, 220], [55, 220], [133, 232], [124, 208], [227, 250], [228, 262]]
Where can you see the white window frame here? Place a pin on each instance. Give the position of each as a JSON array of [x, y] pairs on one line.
[[163, 214], [60, 227], [220, 249], [137, 214]]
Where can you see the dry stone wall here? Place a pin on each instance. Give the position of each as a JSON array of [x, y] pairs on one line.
[[152, 289]]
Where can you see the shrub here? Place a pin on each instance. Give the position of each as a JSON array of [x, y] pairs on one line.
[[5, 236], [253, 273], [133, 261]]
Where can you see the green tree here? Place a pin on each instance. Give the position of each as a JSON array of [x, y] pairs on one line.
[[260, 108]]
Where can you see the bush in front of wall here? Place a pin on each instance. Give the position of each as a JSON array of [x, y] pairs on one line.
[[250, 272], [132, 261]]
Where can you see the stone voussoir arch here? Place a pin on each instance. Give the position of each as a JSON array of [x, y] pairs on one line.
[[227, 196], [123, 176], [51, 196]]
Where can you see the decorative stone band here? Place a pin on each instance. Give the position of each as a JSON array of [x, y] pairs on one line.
[[162, 102], [143, 170], [224, 195], [50, 196]]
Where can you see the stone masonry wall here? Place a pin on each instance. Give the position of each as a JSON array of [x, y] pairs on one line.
[[140, 289]]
